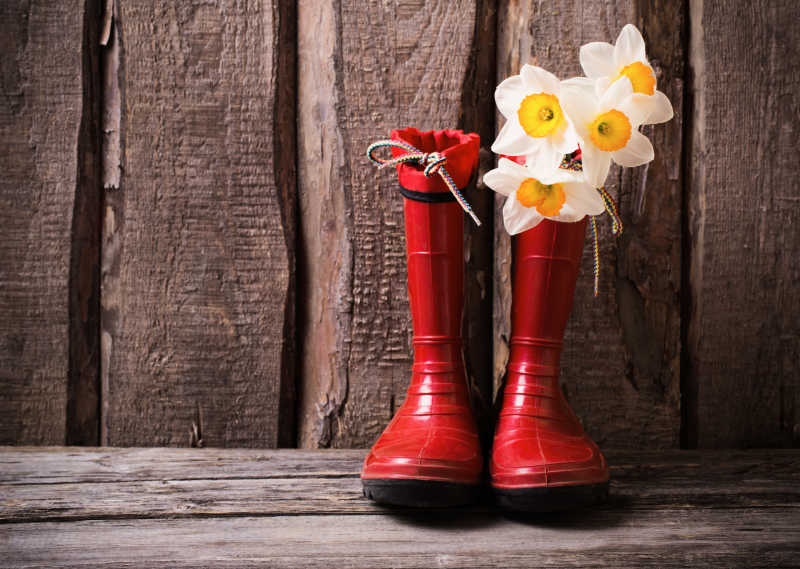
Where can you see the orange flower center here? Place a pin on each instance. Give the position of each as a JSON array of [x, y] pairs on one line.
[[642, 77], [540, 114], [610, 130], [548, 199]]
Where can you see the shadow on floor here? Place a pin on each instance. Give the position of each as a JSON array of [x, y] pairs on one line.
[[485, 514]]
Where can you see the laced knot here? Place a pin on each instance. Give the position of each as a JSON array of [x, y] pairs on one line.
[[432, 162]]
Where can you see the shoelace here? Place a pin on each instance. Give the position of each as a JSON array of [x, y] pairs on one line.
[[571, 163], [433, 164]]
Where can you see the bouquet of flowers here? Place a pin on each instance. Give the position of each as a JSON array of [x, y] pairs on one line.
[[567, 133]]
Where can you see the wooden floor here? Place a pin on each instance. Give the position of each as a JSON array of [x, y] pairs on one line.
[[76, 507]]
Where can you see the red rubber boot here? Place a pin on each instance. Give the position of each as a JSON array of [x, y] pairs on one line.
[[429, 454], [541, 458]]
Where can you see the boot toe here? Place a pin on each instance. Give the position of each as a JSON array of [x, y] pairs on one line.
[[445, 454], [527, 460]]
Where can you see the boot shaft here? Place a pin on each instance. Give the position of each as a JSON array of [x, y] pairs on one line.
[[434, 252], [546, 264], [539, 443]]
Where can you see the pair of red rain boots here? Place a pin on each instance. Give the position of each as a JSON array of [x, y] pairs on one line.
[[430, 454]]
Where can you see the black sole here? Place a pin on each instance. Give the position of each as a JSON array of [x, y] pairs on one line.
[[419, 493], [551, 498]]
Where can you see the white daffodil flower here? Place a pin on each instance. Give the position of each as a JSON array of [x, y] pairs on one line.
[[608, 126], [606, 64], [536, 126], [533, 195]]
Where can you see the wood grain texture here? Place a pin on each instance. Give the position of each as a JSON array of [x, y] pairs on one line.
[[295, 508], [744, 224], [41, 77], [198, 280], [621, 360], [152, 483], [735, 537], [364, 69], [53, 465], [112, 203]]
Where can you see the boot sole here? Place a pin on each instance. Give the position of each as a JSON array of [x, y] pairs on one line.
[[419, 493], [551, 498]]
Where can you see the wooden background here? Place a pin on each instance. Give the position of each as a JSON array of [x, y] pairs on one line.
[[194, 250]]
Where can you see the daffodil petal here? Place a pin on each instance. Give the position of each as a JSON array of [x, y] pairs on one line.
[[509, 95], [601, 85], [507, 177], [568, 214], [519, 170], [513, 141], [499, 181], [629, 47], [596, 165], [580, 106], [538, 80], [619, 90], [660, 109], [637, 108], [597, 59], [547, 158], [567, 140], [518, 218], [638, 151], [581, 200], [580, 86], [584, 198], [556, 176]]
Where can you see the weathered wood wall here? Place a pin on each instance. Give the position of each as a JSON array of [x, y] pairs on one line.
[[48, 245], [239, 304], [743, 217], [198, 297], [362, 71]]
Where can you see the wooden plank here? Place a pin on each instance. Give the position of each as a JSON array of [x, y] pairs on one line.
[[733, 537], [41, 192], [621, 362], [198, 289], [329, 495], [296, 508], [50, 465], [62, 484], [42, 465], [744, 224], [365, 68], [45, 465]]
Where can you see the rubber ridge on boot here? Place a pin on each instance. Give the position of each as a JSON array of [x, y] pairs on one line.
[[419, 493]]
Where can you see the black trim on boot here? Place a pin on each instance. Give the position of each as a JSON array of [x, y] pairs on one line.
[[419, 493], [427, 197], [551, 498]]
